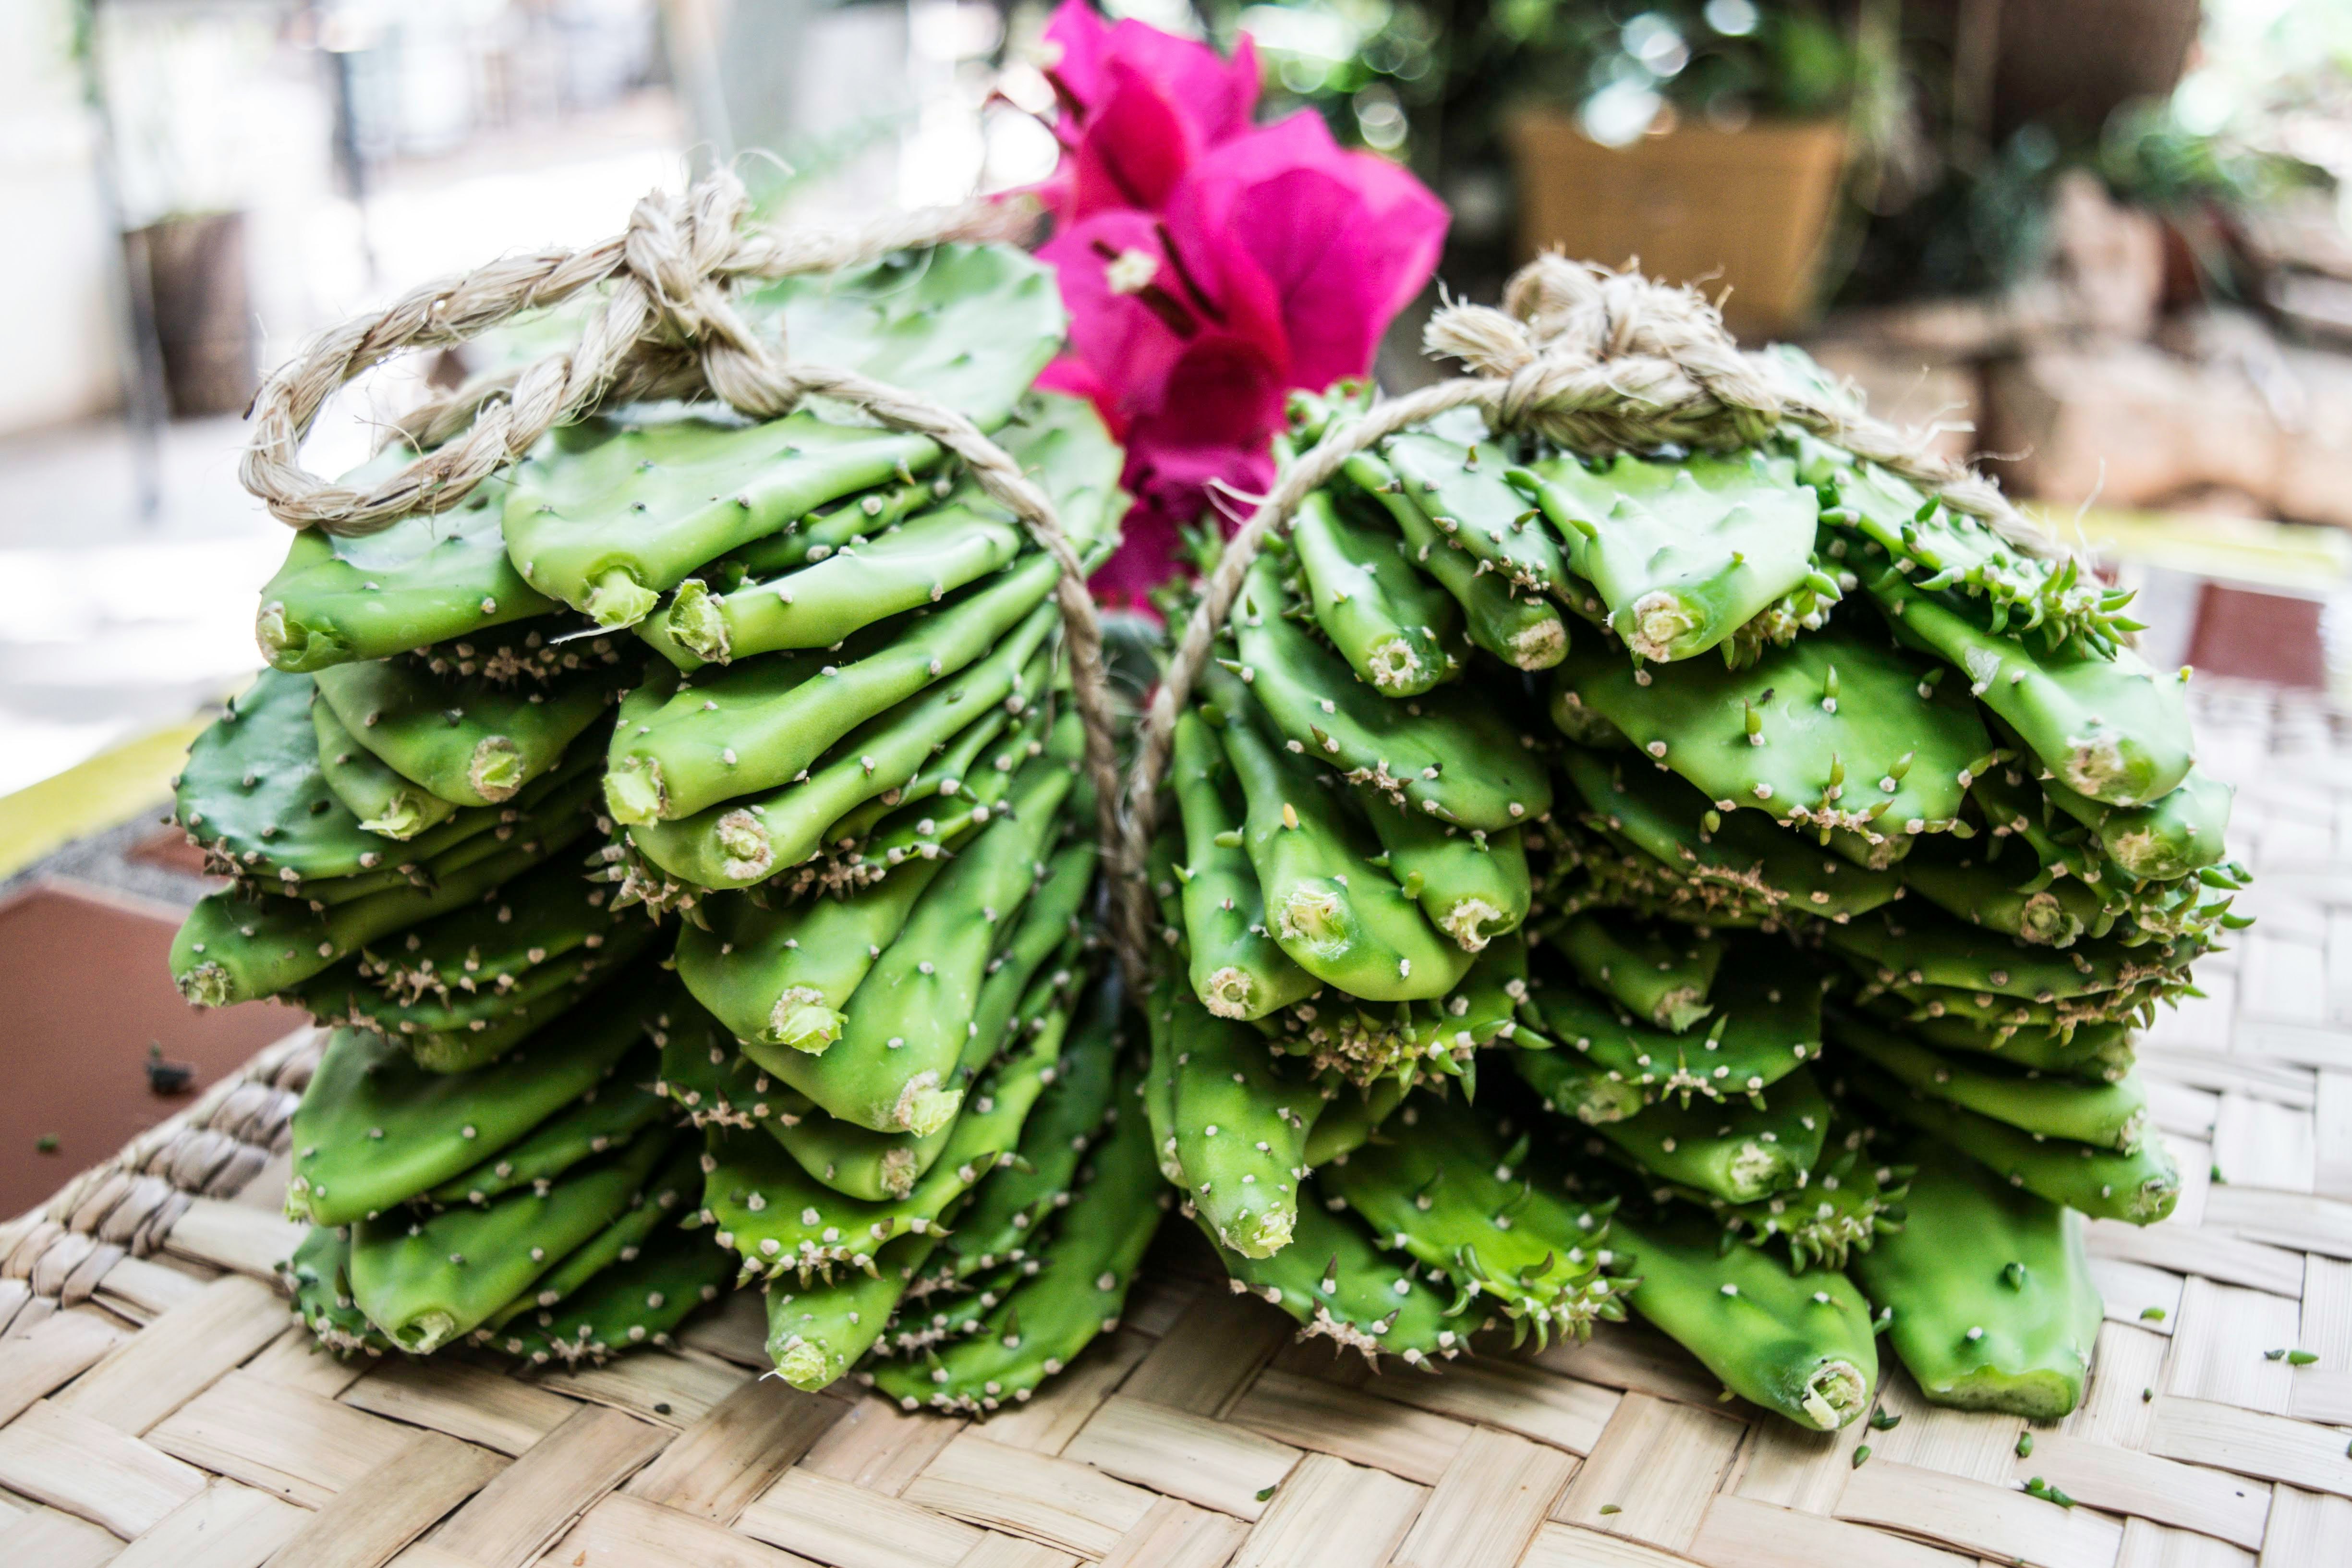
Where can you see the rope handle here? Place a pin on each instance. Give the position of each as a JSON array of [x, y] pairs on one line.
[[666, 327], [1593, 361]]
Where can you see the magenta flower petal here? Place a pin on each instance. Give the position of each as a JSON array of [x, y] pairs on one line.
[[1128, 336], [1136, 144], [1336, 242], [1208, 266], [1217, 93]]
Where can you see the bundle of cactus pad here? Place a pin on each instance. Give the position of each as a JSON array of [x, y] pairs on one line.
[[1710, 881], [683, 840], [1719, 883]]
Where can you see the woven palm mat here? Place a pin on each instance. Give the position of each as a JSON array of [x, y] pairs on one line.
[[157, 1409]]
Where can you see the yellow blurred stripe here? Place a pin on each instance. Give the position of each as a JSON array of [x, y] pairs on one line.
[[110, 789], [2233, 549]]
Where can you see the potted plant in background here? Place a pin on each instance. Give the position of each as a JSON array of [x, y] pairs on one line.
[[1707, 137], [1708, 140]]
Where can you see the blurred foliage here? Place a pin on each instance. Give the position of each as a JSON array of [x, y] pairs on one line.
[[1983, 224], [1932, 209], [2148, 157], [1429, 81]]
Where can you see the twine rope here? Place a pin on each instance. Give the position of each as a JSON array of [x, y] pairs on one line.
[[666, 327], [1592, 360]]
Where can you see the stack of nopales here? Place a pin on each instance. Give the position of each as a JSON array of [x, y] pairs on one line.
[[1796, 904], [795, 681]]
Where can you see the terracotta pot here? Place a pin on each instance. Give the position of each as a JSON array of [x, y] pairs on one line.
[[195, 270], [1748, 210]]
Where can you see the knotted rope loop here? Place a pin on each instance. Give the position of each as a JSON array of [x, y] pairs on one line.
[[666, 327], [1591, 360]]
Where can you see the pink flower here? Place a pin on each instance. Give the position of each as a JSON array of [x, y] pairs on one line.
[[1137, 107], [1276, 260]]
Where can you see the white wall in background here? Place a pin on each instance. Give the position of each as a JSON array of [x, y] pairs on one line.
[[58, 345]]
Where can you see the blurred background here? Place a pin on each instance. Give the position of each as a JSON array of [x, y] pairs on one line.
[[2101, 242]]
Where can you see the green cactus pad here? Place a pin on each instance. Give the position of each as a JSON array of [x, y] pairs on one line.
[[908, 1022], [1448, 1187], [1350, 1117], [946, 1311], [1018, 989], [605, 518], [937, 825], [606, 515], [1662, 976], [1813, 733], [1925, 946], [1462, 488], [634, 1302], [1730, 861], [1769, 1024], [1518, 625], [2107, 1115], [1061, 444], [714, 1085], [427, 1281], [1985, 1009], [668, 1194], [2172, 836], [1076, 1293], [320, 1274], [781, 976], [970, 324], [1334, 1279], [602, 1119], [1473, 885], [1685, 553], [743, 841], [235, 949], [814, 537], [1240, 1122], [1797, 1344], [1993, 1305], [883, 1167], [1338, 913], [1451, 757], [1395, 629], [561, 798], [428, 577], [2100, 1052], [539, 916], [254, 796], [1849, 1198], [1158, 1091], [2011, 893], [982, 746], [1950, 550], [754, 727], [376, 1130], [1002, 1219], [2141, 1187], [1729, 1151], [818, 1330], [1570, 1085], [386, 804], [918, 563], [473, 740], [2110, 728], [455, 1032], [1365, 1043], [778, 1217], [1238, 969]]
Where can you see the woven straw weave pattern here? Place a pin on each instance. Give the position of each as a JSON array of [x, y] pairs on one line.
[[159, 1409]]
